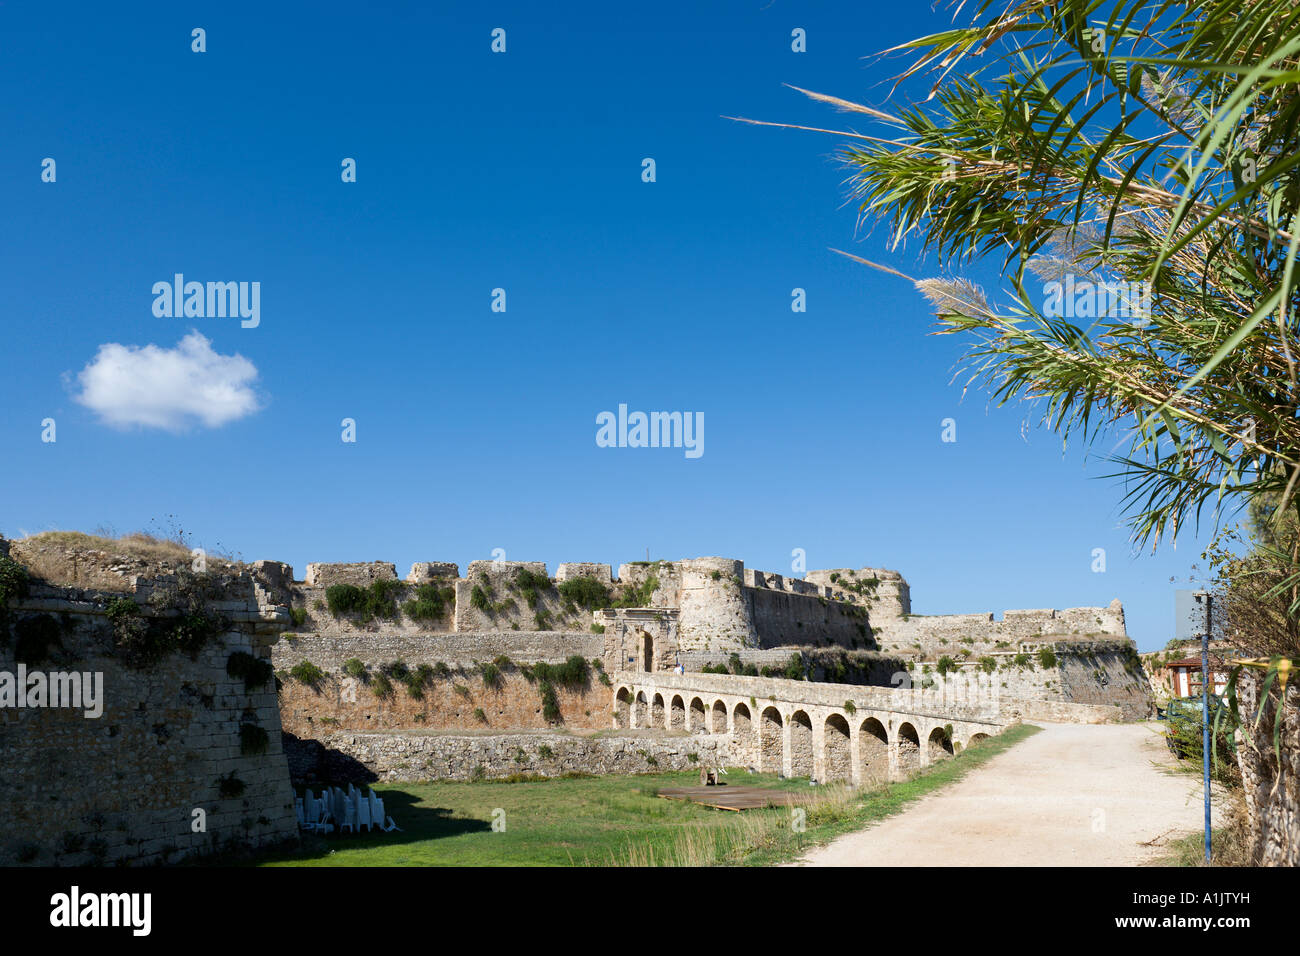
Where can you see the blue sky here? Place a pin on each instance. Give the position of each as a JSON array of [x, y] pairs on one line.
[[476, 429]]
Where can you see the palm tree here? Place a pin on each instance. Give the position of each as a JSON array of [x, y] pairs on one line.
[[1132, 162]]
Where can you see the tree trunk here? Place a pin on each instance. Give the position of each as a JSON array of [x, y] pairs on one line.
[[1272, 805]]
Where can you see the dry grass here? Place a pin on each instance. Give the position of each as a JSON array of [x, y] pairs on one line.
[[76, 559], [1230, 843]]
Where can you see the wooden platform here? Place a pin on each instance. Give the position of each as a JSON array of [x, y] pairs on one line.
[[736, 798]]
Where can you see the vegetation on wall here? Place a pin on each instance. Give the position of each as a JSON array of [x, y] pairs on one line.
[[379, 600], [432, 602]]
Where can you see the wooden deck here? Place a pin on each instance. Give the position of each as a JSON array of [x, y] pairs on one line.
[[737, 798]]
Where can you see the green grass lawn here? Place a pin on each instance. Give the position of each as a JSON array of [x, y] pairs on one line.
[[613, 820]]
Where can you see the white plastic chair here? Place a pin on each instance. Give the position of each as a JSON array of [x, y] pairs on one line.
[[363, 814]]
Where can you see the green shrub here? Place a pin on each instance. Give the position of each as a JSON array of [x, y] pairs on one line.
[[461, 689], [945, 665], [366, 604], [550, 703], [794, 668], [542, 620], [479, 599], [545, 752], [850, 707], [1046, 658], [639, 596], [598, 628], [256, 671], [988, 664], [492, 676], [355, 667], [298, 615], [479, 715], [531, 585], [585, 592], [431, 602], [14, 582], [574, 674], [305, 672], [381, 686], [143, 642]]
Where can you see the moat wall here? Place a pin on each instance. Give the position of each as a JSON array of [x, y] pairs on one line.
[[124, 788]]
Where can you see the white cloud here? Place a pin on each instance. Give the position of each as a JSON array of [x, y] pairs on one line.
[[171, 389]]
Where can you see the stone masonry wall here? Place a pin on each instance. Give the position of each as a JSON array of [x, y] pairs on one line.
[[330, 650], [341, 702], [979, 634], [413, 757], [124, 787]]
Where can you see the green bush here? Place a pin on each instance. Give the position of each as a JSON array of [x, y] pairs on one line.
[[355, 667], [305, 672], [574, 674], [531, 585], [143, 642], [988, 664], [585, 592], [794, 668], [480, 600], [14, 582], [430, 603], [945, 665], [298, 615], [479, 715], [550, 703], [381, 686], [366, 604], [1046, 658], [492, 676]]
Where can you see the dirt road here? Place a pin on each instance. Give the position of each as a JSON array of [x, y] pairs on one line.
[[1071, 795]]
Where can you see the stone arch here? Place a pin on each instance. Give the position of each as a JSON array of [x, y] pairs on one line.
[[976, 740], [623, 708], [939, 744], [742, 736], [697, 723], [837, 747], [718, 718], [873, 750], [640, 710], [801, 745], [657, 711], [770, 731], [908, 743], [677, 720]]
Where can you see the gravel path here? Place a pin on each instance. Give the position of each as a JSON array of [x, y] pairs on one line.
[[1071, 795]]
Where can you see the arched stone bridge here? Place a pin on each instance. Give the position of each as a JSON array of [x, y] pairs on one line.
[[795, 728]]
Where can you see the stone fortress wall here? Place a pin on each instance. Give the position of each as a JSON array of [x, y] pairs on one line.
[[483, 639], [713, 610], [185, 758]]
